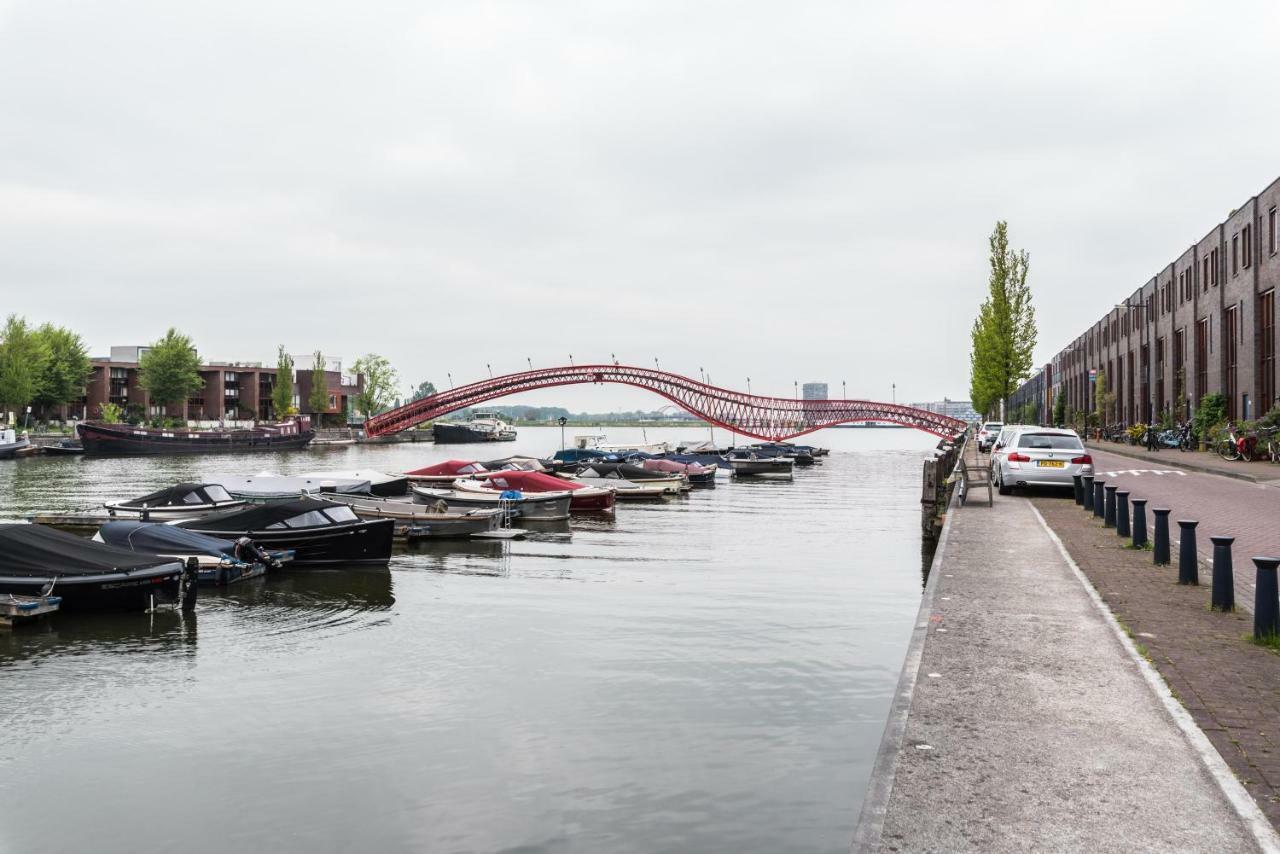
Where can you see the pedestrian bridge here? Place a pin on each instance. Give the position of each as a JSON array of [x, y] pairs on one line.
[[767, 418]]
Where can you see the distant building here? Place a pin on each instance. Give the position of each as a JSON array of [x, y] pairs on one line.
[[232, 391], [962, 409], [814, 391]]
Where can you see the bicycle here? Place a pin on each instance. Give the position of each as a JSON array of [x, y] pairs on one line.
[[1232, 447]]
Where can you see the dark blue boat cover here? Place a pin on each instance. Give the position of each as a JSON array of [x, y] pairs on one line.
[[156, 538], [34, 551]]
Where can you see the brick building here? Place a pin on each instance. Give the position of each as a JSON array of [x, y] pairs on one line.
[[1204, 323], [232, 390]]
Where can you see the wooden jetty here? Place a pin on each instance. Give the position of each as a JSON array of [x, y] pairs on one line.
[[16, 609]]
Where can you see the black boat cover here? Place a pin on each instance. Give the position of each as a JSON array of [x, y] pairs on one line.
[[182, 495], [34, 551], [156, 538], [626, 471], [298, 512]]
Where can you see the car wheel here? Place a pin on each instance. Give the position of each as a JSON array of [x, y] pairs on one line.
[[1005, 490]]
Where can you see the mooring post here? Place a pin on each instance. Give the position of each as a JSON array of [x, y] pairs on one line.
[[1087, 491], [1109, 512], [1122, 513], [1266, 599], [1139, 522], [1160, 551], [1187, 570], [1077, 489], [1223, 595], [1099, 500]]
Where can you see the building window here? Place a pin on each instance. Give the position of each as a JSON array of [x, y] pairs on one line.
[[1267, 350], [1272, 224], [333, 402], [1202, 359], [1230, 326], [1204, 279], [1235, 254], [1214, 267], [1246, 246]]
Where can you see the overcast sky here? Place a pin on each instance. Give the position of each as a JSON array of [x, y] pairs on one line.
[[797, 191]]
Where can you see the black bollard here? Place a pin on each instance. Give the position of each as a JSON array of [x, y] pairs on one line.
[[1122, 513], [1139, 522], [1187, 569], [1099, 500], [1087, 493], [1077, 489], [1266, 603], [1109, 512], [1223, 596], [1160, 549]]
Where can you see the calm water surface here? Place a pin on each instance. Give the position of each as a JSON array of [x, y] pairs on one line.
[[706, 674]]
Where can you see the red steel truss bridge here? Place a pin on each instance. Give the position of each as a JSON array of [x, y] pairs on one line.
[[768, 418]]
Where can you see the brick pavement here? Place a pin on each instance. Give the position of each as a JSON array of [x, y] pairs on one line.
[[1229, 685], [1258, 471]]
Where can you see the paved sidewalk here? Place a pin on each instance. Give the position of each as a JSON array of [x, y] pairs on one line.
[[1229, 685], [1258, 471], [1031, 725]]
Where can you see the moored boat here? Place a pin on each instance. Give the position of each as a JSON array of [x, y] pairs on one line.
[[64, 448], [530, 507], [12, 444], [380, 484], [180, 501], [669, 482], [220, 561], [696, 474], [124, 440], [89, 576], [585, 498], [446, 472], [483, 427], [268, 486], [751, 465], [422, 521], [317, 531]]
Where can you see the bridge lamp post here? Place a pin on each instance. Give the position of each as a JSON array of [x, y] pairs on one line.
[[748, 385], [490, 367], [530, 361], [655, 363], [450, 376], [844, 389], [570, 360]]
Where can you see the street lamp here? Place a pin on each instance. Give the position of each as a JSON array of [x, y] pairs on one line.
[[530, 361], [450, 376], [490, 367]]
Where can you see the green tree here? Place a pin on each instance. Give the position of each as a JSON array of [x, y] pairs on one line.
[[111, 413], [1211, 412], [1004, 333], [169, 370], [1103, 399], [380, 382], [425, 389], [21, 358], [1060, 409], [64, 367], [318, 400], [282, 393]]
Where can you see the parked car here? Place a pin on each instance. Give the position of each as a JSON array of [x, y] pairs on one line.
[[1006, 435], [1042, 456], [987, 435]]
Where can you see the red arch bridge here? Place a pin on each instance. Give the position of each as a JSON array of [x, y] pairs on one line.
[[768, 418]]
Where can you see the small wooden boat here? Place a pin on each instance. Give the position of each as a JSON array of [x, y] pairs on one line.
[[424, 520], [180, 501], [585, 498], [11, 444], [89, 576], [626, 490], [64, 448], [220, 561], [531, 507], [750, 465], [668, 482], [318, 532], [380, 484], [124, 440]]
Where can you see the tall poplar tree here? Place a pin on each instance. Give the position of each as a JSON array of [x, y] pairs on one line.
[[319, 398], [1004, 334], [282, 393], [64, 368], [21, 358]]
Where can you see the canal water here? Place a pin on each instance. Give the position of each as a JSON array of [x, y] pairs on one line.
[[710, 673]]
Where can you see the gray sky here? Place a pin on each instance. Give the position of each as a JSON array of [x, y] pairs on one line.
[[782, 191]]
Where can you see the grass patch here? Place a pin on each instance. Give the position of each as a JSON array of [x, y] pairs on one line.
[[1271, 642], [1143, 651]]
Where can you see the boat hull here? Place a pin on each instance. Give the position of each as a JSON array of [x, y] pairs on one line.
[[9, 450], [366, 541], [774, 466], [463, 434], [116, 440], [532, 507], [117, 591]]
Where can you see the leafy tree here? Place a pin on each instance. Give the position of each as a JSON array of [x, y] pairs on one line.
[[21, 357], [1101, 397], [319, 398], [282, 393], [1060, 409], [111, 413], [1211, 412], [425, 389], [169, 370], [1004, 333], [380, 382], [64, 367]]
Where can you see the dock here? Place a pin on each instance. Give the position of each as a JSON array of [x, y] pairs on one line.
[[16, 610], [1026, 720]]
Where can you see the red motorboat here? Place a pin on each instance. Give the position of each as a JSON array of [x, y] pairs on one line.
[[584, 497], [447, 471]]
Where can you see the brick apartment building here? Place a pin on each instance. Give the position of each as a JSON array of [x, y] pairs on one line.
[[1204, 323], [232, 390]]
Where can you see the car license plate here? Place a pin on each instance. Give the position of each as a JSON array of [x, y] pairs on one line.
[[1051, 464]]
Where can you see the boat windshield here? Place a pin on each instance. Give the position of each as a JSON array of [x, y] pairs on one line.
[[217, 493], [341, 514], [310, 519]]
